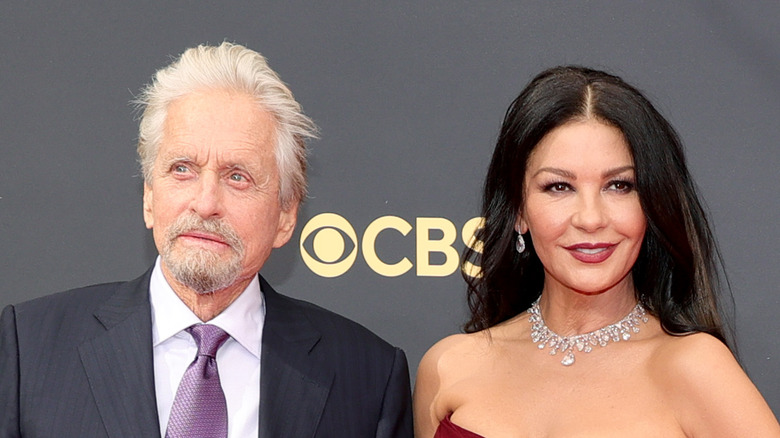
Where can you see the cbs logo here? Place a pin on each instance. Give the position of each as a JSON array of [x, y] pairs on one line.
[[329, 245]]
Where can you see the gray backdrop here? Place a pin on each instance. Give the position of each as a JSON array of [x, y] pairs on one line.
[[409, 98]]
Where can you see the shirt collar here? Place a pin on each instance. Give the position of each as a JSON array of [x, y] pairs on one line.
[[243, 320]]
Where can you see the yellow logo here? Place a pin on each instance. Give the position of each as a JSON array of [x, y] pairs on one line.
[[329, 245]]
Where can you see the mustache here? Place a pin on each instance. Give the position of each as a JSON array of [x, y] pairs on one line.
[[193, 222]]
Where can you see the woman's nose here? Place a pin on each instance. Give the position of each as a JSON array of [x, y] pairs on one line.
[[590, 214]]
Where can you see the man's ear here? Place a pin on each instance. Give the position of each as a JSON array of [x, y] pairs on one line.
[[148, 206], [287, 219]]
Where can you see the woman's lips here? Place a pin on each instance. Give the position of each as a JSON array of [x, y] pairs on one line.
[[591, 252]]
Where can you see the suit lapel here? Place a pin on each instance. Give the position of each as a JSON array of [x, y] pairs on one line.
[[293, 386], [119, 363]]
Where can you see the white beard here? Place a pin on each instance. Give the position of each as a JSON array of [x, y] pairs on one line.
[[201, 270]]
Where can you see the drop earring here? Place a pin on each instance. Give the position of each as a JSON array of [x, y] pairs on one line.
[[520, 243]]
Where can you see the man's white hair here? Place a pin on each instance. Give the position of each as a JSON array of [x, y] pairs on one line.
[[235, 68]]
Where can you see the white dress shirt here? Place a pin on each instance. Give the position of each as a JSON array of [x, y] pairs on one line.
[[238, 359]]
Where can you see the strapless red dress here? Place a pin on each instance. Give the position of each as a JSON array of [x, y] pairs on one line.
[[448, 429]]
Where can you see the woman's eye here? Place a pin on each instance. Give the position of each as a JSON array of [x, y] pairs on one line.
[[622, 186], [557, 187]]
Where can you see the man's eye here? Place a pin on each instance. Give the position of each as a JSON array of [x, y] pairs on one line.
[[237, 177], [180, 168]]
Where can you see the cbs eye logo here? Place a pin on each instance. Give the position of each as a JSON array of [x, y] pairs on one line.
[[329, 245]]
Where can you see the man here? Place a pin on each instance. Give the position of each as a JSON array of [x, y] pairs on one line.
[[221, 145]]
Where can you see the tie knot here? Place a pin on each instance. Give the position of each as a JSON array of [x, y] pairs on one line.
[[208, 338]]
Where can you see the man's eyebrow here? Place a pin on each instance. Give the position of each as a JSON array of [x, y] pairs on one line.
[[173, 158]]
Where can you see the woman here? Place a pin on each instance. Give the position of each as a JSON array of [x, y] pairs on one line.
[[595, 313]]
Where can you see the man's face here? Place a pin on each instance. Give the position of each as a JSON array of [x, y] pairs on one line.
[[213, 200]]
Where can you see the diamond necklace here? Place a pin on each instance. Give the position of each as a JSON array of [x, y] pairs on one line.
[[621, 330]]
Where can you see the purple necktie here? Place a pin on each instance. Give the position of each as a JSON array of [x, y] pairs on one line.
[[199, 408]]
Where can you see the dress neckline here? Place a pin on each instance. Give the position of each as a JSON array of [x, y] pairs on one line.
[[448, 429]]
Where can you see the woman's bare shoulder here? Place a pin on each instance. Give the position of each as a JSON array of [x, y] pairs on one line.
[[708, 388], [460, 351], [449, 361], [687, 350], [692, 362], [453, 349]]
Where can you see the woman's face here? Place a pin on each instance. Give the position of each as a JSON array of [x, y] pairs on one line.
[[582, 209]]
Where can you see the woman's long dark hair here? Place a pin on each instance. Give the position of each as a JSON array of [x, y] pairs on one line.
[[676, 272]]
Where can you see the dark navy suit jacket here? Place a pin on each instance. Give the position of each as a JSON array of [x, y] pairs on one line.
[[79, 364]]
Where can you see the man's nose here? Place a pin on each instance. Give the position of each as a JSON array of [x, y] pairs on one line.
[[207, 199]]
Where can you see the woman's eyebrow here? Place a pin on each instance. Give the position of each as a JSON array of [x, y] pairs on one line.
[[557, 171]]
